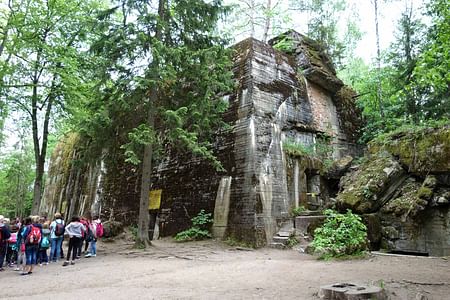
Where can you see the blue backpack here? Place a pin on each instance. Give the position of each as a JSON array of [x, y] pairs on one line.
[[45, 244]]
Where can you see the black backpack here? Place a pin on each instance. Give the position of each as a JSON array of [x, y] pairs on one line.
[[59, 229]]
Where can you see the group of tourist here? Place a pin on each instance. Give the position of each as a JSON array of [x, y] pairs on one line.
[[25, 243]]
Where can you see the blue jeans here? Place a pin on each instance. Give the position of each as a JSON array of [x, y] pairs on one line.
[[55, 251], [93, 247], [31, 254]]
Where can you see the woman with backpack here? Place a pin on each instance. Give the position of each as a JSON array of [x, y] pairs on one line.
[[45, 244], [57, 229], [32, 236], [75, 230], [97, 229]]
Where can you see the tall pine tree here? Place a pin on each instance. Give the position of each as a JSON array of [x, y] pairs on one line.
[[167, 62]]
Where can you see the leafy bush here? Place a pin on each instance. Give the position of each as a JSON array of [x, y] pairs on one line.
[[133, 229], [296, 211], [286, 44], [199, 229], [340, 235], [292, 241]]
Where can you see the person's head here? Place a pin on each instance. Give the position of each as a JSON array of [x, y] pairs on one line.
[[2, 219], [58, 216], [27, 221], [95, 217], [35, 219], [6, 221], [45, 225], [75, 219]]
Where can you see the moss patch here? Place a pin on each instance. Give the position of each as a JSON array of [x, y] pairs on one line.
[[421, 151], [425, 193], [361, 189], [408, 204]]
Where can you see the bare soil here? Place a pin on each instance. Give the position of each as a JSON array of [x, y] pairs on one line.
[[213, 270]]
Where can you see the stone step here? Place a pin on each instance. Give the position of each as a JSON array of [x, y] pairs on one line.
[[277, 245], [280, 239], [283, 233], [287, 225]]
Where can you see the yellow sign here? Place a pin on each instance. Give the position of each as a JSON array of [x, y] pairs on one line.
[[155, 199]]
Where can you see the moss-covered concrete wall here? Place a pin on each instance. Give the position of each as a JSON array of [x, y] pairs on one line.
[[274, 102]]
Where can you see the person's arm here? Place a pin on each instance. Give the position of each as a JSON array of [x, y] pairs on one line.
[[67, 229]]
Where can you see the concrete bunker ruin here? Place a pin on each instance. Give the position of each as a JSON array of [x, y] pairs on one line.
[[287, 106], [290, 117]]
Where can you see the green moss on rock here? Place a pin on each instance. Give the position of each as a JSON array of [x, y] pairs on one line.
[[408, 203], [425, 193], [361, 190], [421, 151]]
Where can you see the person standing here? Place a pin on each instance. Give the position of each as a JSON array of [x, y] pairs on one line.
[[97, 229], [57, 230], [75, 230], [32, 236], [21, 259], [4, 236], [11, 252], [45, 244]]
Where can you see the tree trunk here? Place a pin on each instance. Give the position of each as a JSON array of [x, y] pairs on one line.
[[267, 23], [379, 88], [252, 18], [40, 151], [143, 226], [144, 219], [37, 156]]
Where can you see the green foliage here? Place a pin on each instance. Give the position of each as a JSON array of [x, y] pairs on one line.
[[16, 178], [414, 76], [341, 234], [324, 19], [297, 150], [297, 211], [138, 137], [292, 241], [134, 231], [320, 150], [199, 229], [161, 63], [286, 44]]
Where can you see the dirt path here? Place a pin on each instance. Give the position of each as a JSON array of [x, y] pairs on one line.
[[212, 270]]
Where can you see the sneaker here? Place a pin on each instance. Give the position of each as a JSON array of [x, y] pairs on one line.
[[93, 255], [46, 264], [88, 255], [72, 262], [17, 269], [66, 263]]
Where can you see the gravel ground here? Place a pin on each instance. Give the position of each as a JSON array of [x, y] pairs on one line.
[[212, 270]]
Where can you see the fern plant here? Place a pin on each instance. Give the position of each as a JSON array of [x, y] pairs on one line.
[[199, 229]]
